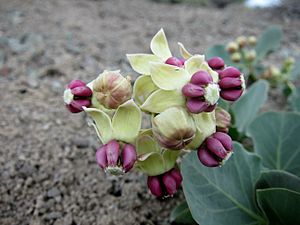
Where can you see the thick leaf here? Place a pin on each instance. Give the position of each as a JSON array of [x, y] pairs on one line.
[[102, 124], [223, 195], [278, 179], [143, 87], [294, 100], [127, 122], [159, 46], [268, 42], [161, 100], [295, 73], [220, 51], [184, 53], [280, 205], [246, 108], [182, 215], [168, 77], [276, 140], [140, 62]]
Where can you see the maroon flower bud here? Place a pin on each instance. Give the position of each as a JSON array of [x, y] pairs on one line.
[[231, 83], [215, 150], [216, 63], [192, 90], [77, 95], [165, 185], [175, 61], [201, 78], [113, 161], [128, 157], [202, 94]]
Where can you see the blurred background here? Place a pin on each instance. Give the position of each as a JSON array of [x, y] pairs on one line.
[[48, 174]]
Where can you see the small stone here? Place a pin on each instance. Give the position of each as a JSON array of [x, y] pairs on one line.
[[53, 215], [81, 142], [53, 192]]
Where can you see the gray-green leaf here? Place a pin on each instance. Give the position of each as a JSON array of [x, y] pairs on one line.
[[276, 140], [294, 100], [246, 108], [223, 195], [182, 215]]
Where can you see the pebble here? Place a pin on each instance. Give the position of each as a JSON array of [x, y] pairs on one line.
[[53, 192]]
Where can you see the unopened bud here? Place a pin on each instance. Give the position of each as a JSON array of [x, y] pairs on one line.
[[216, 63], [171, 134], [215, 150], [111, 89], [236, 57], [250, 55], [241, 41], [77, 95], [175, 61], [232, 47], [252, 40], [223, 119], [113, 161], [165, 185], [232, 83]]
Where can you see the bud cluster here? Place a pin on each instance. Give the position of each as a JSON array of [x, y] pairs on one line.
[[180, 94]]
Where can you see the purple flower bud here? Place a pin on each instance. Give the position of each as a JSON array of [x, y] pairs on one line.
[[216, 63], [196, 105], [175, 61], [154, 186], [112, 152], [175, 173], [216, 147], [128, 157], [225, 139], [230, 72], [169, 183], [192, 90], [82, 91], [201, 78], [77, 95], [231, 94], [215, 150], [230, 82], [206, 158], [76, 83], [101, 157]]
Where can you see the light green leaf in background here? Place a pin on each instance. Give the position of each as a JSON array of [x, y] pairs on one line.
[[268, 42], [223, 195], [294, 100], [127, 122], [159, 46], [245, 109], [295, 73], [276, 140]]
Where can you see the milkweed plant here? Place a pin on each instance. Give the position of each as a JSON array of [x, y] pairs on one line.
[[180, 96]]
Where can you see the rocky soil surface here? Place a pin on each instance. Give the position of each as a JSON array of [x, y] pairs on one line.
[[48, 173]]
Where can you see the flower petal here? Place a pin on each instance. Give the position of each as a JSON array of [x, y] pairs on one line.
[[127, 122], [102, 125], [170, 157], [146, 144], [143, 87], [194, 64], [153, 165], [140, 62], [168, 77], [184, 53], [161, 100], [159, 45]]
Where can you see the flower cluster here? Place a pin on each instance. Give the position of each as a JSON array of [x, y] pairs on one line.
[[180, 95]]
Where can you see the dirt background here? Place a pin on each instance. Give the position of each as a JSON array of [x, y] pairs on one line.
[[48, 174]]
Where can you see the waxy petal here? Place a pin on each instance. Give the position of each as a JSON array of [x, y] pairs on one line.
[[101, 157], [192, 90], [82, 91], [159, 45], [231, 94], [154, 186], [76, 83], [195, 105], [168, 77], [230, 82], [230, 72], [216, 63], [216, 147], [194, 64], [140, 62], [206, 158], [143, 87], [128, 157], [184, 53], [225, 139], [79, 103], [175, 62], [169, 183], [201, 78], [112, 152], [175, 173]]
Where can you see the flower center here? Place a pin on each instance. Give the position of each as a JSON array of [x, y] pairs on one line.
[[68, 96], [212, 93]]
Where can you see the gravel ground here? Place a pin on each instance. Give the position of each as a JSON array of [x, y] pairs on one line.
[[48, 174]]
